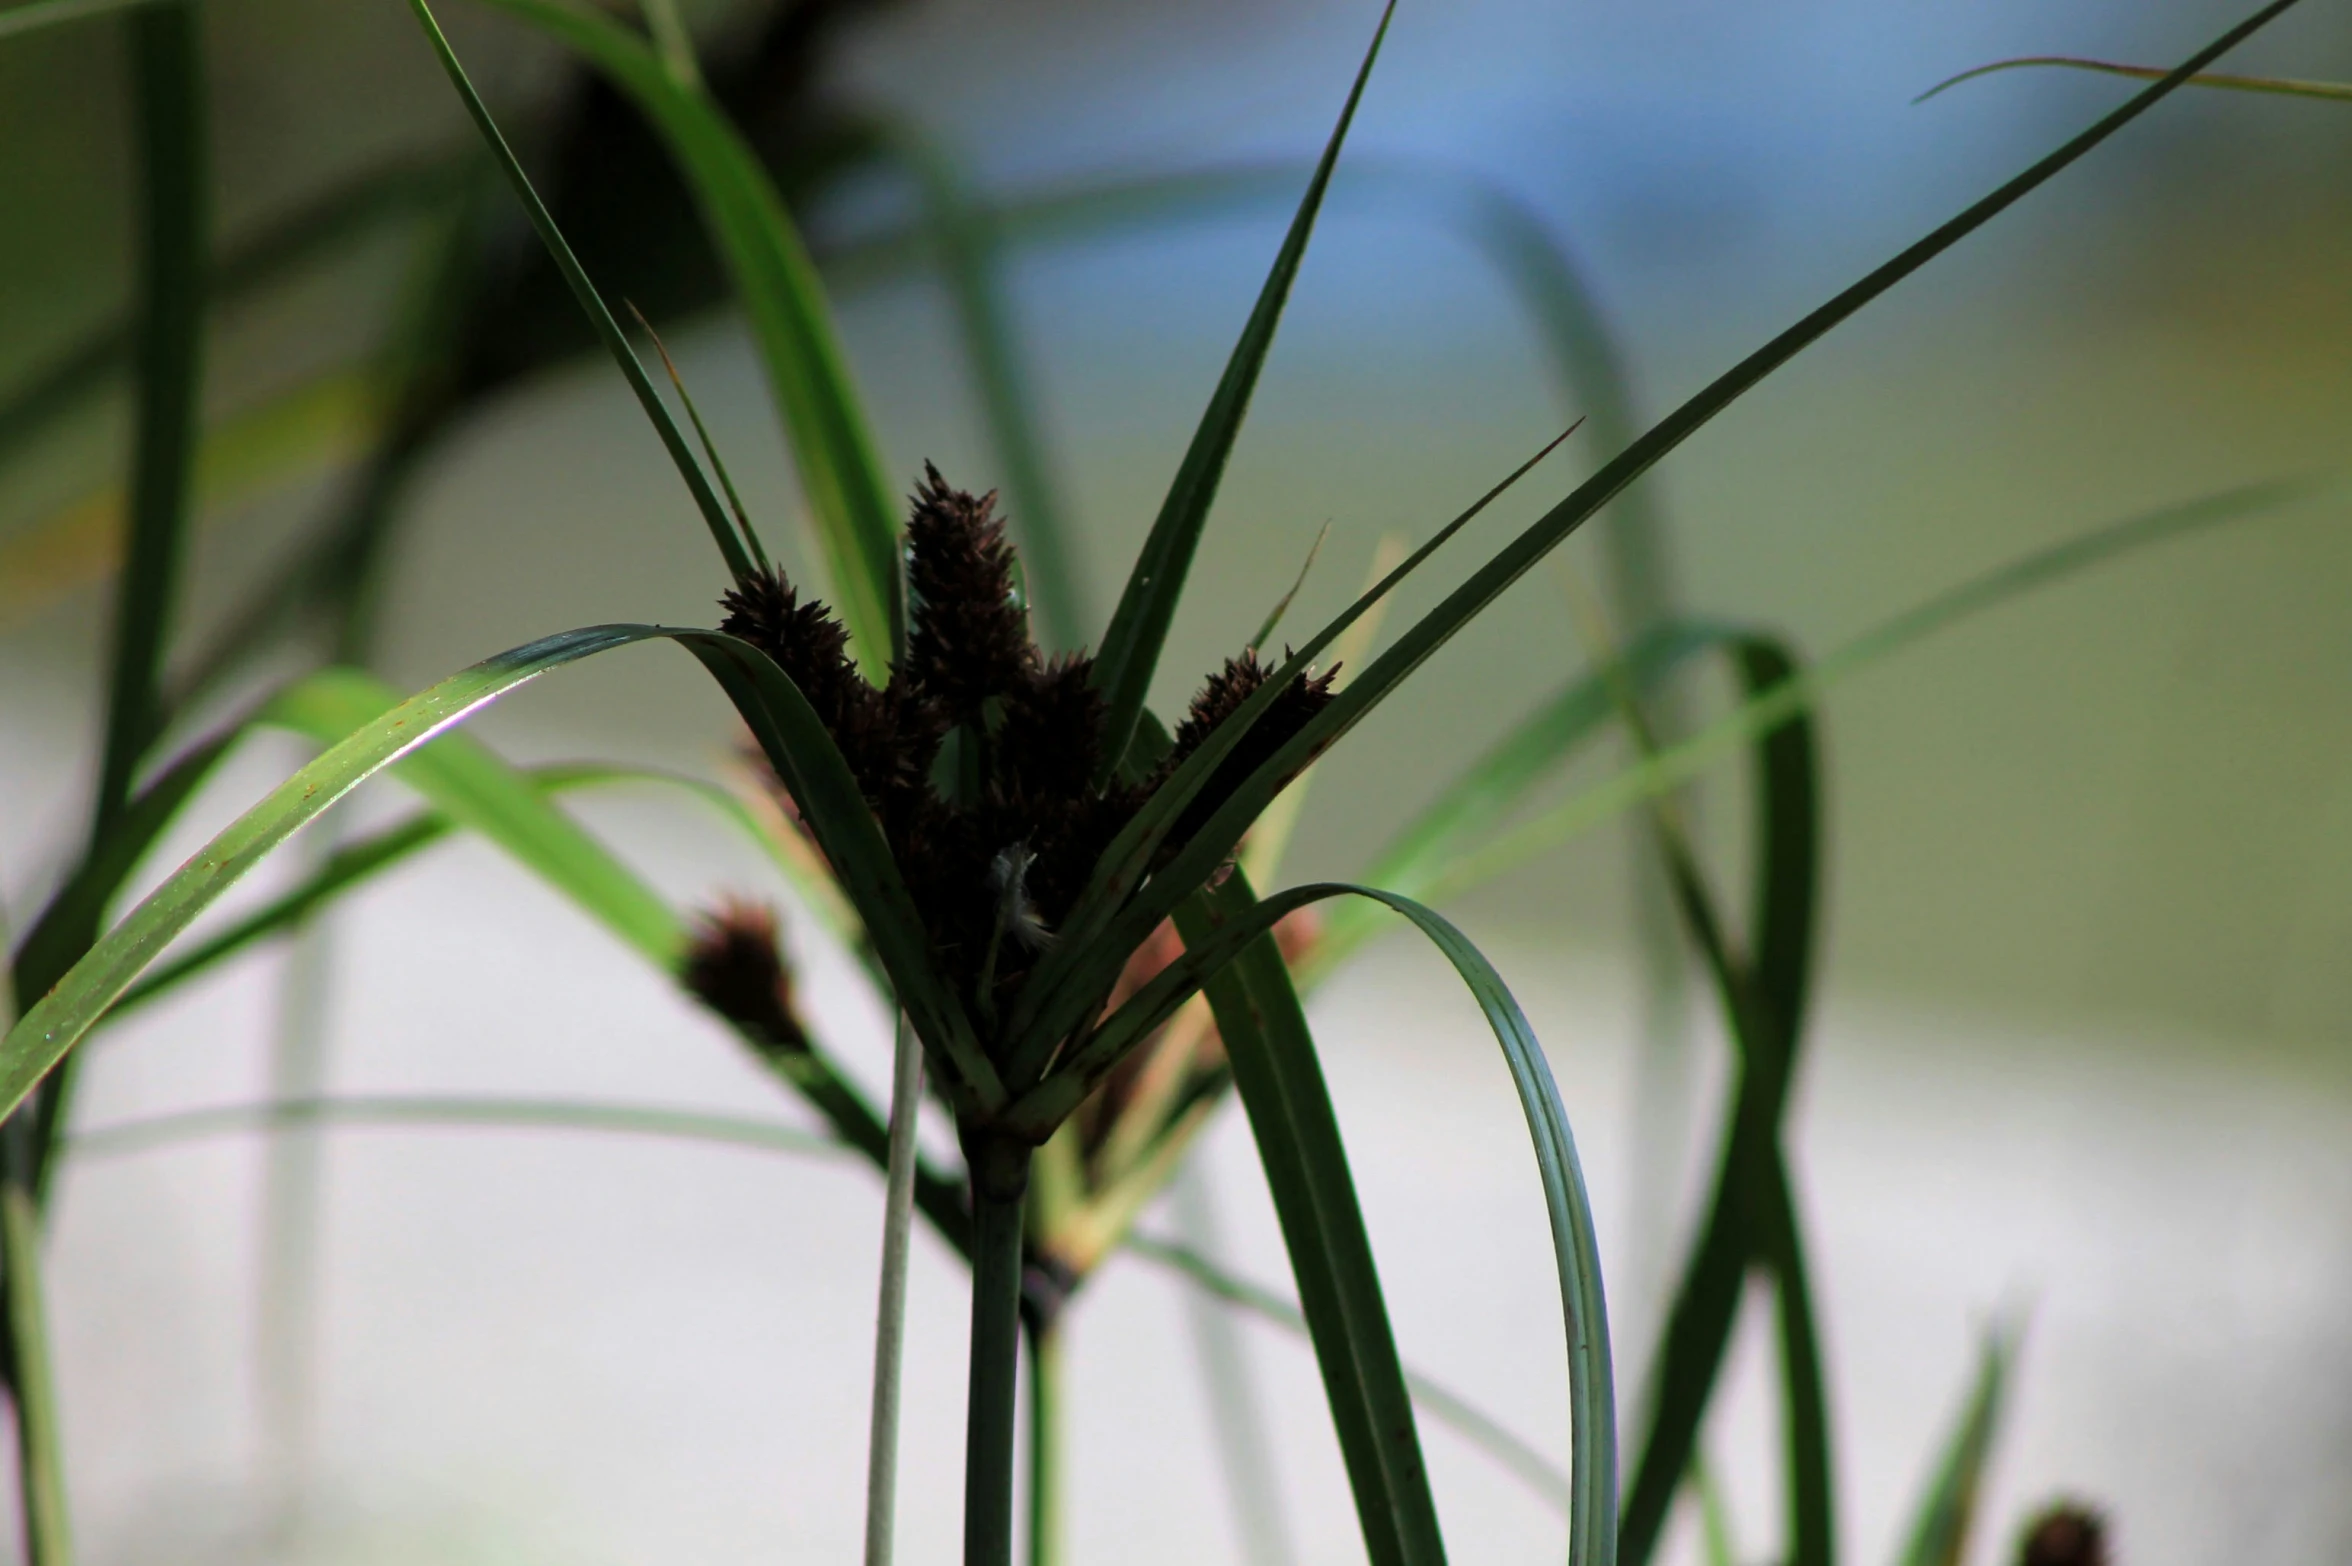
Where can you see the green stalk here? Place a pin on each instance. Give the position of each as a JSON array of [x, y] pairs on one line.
[[39, 1449], [898, 1216], [48, 1532], [169, 91], [1000, 1180], [1045, 1446]]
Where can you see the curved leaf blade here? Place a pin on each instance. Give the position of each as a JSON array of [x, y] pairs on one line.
[[1230, 956], [2283, 86], [43, 1035]]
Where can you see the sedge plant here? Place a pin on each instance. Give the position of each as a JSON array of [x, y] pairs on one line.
[[1012, 837]]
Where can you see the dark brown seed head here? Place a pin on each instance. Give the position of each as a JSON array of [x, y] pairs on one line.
[[734, 964], [2068, 1534], [967, 633], [1052, 737], [1219, 699], [805, 640]]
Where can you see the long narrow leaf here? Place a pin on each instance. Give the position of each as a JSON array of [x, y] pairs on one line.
[[608, 330], [72, 918], [1305, 1162], [856, 515], [2283, 86], [1751, 1221], [1239, 938], [1147, 607]]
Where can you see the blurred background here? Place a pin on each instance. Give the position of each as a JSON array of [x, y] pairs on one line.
[[2080, 1051]]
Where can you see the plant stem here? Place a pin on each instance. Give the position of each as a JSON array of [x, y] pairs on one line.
[[1045, 1446], [1000, 1180], [48, 1533], [898, 1217]]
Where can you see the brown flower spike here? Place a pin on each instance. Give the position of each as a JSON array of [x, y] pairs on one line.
[[979, 756]]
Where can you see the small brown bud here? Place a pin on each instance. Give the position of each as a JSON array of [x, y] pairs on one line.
[[735, 965], [2068, 1534]]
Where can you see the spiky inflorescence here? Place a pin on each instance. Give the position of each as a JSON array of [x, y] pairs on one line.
[[734, 964], [996, 859], [2069, 1534], [967, 632], [1219, 699]]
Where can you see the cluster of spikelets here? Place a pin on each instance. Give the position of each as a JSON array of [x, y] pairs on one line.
[[981, 758]]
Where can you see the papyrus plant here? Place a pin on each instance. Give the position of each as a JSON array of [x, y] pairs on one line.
[[1006, 986]]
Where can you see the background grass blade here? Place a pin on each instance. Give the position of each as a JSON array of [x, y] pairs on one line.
[[1299, 1147], [1751, 1220], [855, 508], [150, 1133], [1947, 1512], [1679, 763], [173, 171], [608, 330], [2338, 92], [1130, 649]]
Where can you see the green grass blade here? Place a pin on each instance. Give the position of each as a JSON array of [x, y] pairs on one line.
[[1440, 1402], [1237, 1418], [48, 1524], [2338, 92], [1281, 1087], [75, 914], [1751, 1220], [969, 251], [356, 863], [348, 868], [853, 504], [1215, 949], [1680, 763], [714, 516], [1947, 1512], [167, 62], [898, 1216], [469, 784], [1812, 1501], [146, 1134], [1147, 607], [702, 435], [1216, 840]]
